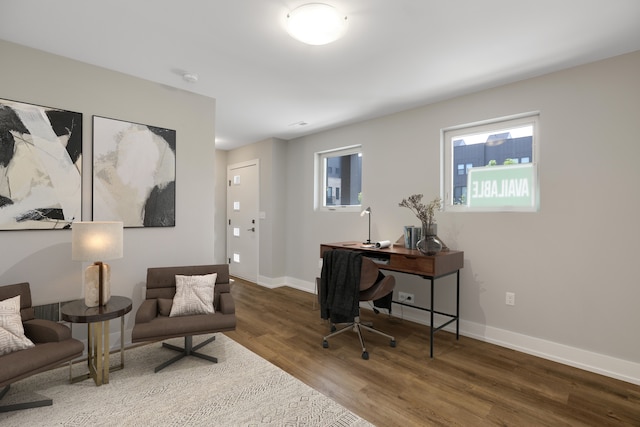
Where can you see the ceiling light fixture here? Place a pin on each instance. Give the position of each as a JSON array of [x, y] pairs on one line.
[[316, 24]]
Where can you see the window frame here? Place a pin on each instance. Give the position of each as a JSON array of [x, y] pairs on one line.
[[320, 187], [496, 125]]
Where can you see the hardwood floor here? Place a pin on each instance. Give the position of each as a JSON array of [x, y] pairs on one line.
[[468, 383]]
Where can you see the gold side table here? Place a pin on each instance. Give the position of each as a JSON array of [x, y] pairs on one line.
[[97, 319]]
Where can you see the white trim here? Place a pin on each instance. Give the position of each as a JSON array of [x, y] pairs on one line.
[[583, 359], [497, 124], [319, 187]]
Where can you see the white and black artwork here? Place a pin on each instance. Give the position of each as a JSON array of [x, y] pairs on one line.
[[134, 173], [40, 167]]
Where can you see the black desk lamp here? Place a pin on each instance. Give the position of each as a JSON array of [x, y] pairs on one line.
[[368, 213]]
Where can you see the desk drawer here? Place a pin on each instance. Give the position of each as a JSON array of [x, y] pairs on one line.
[[415, 264]]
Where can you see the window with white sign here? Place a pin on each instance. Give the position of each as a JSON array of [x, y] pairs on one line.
[[339, 179], [492, 165]]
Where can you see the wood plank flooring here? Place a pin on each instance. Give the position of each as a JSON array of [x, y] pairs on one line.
[[468, 383]]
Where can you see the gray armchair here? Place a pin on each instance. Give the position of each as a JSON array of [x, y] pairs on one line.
[[53, 347], [152, 322]]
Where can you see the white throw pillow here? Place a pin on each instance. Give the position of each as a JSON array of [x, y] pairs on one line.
[[12, 336], [194, 295]]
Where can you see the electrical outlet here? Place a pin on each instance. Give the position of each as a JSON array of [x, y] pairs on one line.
[[406, 297], [510, 298]]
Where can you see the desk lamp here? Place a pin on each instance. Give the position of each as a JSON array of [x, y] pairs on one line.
[[368, 213], [91, 241]]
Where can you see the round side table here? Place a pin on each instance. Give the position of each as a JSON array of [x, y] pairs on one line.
[[97, 319]]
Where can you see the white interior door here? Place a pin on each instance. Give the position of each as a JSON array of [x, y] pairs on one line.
[[242, 220]]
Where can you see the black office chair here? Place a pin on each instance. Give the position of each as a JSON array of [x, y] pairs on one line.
[[347, 279]]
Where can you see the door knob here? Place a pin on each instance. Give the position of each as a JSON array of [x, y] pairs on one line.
[[251, 229]]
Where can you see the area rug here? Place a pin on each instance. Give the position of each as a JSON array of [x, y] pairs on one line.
[[242, 389]]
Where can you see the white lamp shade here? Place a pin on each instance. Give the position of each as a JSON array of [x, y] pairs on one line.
[[316, 24], [96, 240]]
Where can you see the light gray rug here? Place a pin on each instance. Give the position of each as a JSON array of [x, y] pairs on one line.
[[242, 389]]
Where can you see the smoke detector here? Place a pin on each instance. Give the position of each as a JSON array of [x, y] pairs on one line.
[[190, 77]]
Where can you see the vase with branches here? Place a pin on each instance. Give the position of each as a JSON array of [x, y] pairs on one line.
[[429, 244]]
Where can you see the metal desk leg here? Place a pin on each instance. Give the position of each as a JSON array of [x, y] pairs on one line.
[[432, 325], [458, 306]]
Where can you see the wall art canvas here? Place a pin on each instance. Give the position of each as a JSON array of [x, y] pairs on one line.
[[134, 173], [40, 167]]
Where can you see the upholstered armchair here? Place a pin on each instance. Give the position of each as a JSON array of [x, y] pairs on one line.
[[166, 313], [44, 345]]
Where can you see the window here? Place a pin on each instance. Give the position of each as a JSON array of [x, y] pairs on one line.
[[339, 179], [504, 178]]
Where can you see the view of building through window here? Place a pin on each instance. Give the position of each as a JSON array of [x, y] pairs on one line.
[[504, 147], [343, 179]]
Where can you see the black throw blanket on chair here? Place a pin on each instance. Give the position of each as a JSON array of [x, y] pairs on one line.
[[340, 285]]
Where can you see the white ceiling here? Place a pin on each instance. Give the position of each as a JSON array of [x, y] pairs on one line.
[[396, 54]]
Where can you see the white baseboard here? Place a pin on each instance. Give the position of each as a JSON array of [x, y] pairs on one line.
[[572, 356], [587, 360], [269, 282]]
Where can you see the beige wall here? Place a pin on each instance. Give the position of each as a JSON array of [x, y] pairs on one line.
[[571, 265], [43, 258]]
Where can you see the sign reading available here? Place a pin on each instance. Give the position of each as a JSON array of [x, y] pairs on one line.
[[509, 186]]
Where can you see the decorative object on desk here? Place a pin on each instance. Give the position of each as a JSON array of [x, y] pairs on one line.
[[429, 243], [411, 236], [383, 244], [368, 213], [91, 241]]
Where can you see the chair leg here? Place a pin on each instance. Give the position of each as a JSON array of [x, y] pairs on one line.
[[188, 350], [357, 327], [339, 331], [372, 329], [24, 405]]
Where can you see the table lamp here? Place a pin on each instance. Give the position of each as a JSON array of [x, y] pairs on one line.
[[368, 213], [92, 241]]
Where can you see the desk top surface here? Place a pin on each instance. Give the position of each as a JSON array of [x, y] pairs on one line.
[[405, 260]]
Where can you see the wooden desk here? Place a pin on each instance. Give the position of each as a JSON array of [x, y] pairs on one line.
[[411, 261]]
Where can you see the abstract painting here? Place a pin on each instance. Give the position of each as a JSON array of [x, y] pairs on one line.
[[134, 173], [40, 167]]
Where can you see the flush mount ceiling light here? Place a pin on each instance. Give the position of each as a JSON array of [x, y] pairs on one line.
[[316, 24]]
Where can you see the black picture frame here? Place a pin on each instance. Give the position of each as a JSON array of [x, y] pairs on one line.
[[40, 166], [134, 173]]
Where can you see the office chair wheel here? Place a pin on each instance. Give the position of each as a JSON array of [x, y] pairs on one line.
[[333, 328], [392, 343], [325, 344], [365, 355]]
